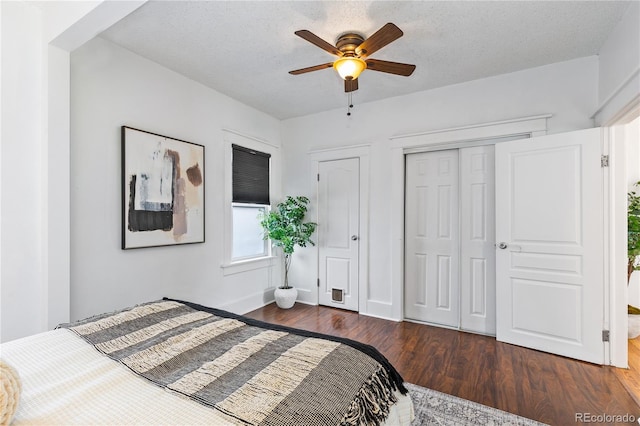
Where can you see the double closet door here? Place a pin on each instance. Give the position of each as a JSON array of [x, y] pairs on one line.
[[449, 238]]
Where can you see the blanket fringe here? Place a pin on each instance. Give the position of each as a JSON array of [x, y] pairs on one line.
[[373, 401]]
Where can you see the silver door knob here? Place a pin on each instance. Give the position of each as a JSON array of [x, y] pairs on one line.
[[354, 237], [503, 246]]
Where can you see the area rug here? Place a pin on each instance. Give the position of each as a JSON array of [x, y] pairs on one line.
[[437, 408]]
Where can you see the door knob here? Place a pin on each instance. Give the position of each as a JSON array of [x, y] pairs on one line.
[[354, 237], [503, 246]]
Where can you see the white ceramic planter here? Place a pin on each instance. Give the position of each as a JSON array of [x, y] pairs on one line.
[[285, 297], [634, 326]]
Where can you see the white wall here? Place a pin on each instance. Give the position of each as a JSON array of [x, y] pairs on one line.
[[23, 308], [568, 90], [111, 87], [619, 66], [36, 37]]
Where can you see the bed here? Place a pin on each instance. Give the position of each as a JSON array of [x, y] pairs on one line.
[[175, 362]]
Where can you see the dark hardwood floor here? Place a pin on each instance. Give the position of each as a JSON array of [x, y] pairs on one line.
[[533, 384], [630, 378]]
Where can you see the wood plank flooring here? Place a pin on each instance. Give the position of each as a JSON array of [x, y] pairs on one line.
[[533, 384], [630, 378]]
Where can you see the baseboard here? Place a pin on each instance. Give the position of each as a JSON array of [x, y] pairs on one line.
[[249, 303], [256, 301], [307, 296], [383, 310], [379, 316]]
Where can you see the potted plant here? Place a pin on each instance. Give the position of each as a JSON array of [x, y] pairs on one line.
[[633, 254], [285, 228]]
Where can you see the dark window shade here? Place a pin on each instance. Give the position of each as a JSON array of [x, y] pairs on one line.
[[250, 176]]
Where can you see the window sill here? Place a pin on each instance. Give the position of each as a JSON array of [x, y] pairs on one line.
[[248, 265]]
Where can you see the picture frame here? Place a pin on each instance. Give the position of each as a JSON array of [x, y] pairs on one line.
[[163, 182]]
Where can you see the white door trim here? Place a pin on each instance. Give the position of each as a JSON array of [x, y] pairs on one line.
[[338, 242], [529, 126], [615, 226], [362, 152], [474, 132]]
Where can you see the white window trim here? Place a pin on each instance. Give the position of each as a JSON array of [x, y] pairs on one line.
[[231, 137], [240, 266]]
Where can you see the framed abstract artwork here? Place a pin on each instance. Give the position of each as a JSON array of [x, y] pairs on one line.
[[162, 190]]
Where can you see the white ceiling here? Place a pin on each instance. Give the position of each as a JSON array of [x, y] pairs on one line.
[[245, 49]]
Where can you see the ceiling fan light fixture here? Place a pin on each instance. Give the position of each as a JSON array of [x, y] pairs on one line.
[[349, 67]]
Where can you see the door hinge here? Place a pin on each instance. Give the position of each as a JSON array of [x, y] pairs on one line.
[[318, 282], [604, 161], [605, 335], [318, 177]]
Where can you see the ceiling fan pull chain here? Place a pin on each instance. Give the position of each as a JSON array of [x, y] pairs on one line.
[[349, 103]]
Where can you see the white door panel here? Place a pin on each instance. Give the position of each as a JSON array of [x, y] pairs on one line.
[[477, 239], [549, 217], [338, 232], [432, 243]]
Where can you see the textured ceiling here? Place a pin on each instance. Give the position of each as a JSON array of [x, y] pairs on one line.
[[245, 49]]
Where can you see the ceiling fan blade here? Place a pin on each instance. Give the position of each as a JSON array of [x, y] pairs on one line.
[[350, 85], [313, 68], [314, 39], [390, 67], [385, 35]]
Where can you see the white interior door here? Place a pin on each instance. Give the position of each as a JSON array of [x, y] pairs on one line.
[[431, 238], [477, 239], [550, 252], [338, 232]]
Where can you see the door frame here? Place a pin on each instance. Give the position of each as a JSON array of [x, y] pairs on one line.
[[338, 179], [466, 136], [362, 152], [616, 225]]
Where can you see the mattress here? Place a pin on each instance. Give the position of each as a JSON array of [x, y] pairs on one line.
[[65, 380]]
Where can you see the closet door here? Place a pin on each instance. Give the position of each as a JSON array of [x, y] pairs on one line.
[[432, 238], [477, 240]]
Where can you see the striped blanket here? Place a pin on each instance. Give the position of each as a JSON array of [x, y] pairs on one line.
[[254, 372]]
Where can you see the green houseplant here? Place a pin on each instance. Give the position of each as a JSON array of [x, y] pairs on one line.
[[633, 230], [633, 247], [285, 227]]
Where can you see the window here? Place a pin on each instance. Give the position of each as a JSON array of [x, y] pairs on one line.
[[250, 183], [247, 232]]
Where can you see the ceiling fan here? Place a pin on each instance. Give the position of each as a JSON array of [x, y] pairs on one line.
[[353, 50]]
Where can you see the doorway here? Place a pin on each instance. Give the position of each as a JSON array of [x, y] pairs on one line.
[[339, 233], [531, 127], [629, 136], [632, 142], [547, 209]]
